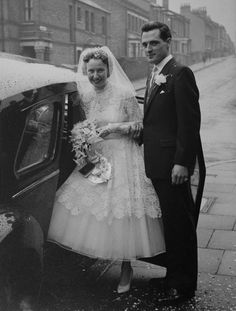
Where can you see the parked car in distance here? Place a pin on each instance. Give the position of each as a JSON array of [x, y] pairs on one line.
[[38, 106]]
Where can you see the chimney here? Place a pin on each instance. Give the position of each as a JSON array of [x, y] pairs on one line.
[[165, 4], [184, 9]]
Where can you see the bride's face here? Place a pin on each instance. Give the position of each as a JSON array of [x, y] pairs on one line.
[[97, 73]]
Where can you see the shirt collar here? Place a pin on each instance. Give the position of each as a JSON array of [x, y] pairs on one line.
[[161, 65]]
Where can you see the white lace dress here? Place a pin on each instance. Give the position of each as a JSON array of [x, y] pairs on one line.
[[119, 219]]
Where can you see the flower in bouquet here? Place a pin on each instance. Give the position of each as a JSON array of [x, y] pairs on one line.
[[84, 136]]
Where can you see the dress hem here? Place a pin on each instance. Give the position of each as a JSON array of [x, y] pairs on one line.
[[103, 258]]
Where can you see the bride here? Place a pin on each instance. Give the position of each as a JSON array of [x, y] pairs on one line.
[[119, 217]]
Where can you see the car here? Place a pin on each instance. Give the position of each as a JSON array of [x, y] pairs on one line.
[[39, 104]]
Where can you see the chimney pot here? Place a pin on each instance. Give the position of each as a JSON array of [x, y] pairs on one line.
[[165, 4]]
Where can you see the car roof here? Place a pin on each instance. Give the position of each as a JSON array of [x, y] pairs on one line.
[[19, 74]]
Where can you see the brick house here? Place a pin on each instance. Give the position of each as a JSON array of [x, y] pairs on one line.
[[180, 29], [209, 39], [58, 30], [52, 30]]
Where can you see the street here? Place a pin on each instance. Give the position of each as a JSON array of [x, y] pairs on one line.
[[218, 107], [77, 283]]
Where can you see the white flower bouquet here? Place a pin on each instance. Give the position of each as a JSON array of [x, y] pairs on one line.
[[90, 163]]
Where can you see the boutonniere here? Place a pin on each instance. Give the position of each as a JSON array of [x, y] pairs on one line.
[[160, 79]]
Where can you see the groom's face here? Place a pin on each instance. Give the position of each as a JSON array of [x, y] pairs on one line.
[[156, 49]]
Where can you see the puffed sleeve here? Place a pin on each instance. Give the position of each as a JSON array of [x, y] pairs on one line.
[[132, 110]]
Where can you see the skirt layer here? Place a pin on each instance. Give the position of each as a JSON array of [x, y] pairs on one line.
[[125, 239], [114, 220]]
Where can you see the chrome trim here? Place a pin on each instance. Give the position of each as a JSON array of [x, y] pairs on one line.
[[35, 184]]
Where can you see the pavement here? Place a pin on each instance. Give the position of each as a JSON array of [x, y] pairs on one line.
[[216, 255]]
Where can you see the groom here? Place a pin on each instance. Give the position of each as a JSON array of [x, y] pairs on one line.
[[171, 139]]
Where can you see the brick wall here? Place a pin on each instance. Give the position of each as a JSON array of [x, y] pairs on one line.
[[117, 35], [12, 17], [55, 15]]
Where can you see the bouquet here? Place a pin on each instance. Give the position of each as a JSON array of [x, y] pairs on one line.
[[91, 163]]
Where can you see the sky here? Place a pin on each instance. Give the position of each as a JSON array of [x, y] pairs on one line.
[[220, 11]]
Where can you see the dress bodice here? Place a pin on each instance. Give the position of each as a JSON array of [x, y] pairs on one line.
[[110, 105]]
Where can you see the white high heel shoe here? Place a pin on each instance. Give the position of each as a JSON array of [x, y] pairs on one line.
[[125, 288]]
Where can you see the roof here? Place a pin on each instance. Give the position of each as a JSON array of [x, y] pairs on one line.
[[94, 5], [19, 74]]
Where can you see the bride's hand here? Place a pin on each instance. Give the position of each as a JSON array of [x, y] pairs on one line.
[[104, 131], [121, 128]]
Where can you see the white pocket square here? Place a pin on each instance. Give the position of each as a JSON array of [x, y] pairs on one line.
[[162, 92]]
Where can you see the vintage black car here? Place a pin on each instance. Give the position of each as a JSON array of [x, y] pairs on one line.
[[38, 107]]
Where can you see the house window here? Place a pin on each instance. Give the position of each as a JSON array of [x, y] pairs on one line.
[[78, 53], [28, 10], [104, 26], [132, 49], [129, 22], [136, 24], [79, 14], [47, 54], [72, 24], [135, 49], [92, 22], [175, 46], [133, 23], [86, 20]]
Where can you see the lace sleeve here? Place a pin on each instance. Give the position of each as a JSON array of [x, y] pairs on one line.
[[132, 109]]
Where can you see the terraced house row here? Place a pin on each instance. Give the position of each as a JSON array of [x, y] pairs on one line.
[[58, 30]]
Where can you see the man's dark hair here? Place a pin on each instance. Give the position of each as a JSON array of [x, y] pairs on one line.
[[165, 32]]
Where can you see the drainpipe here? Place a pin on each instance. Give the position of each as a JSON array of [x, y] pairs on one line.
[[75, 37], [2, 27]]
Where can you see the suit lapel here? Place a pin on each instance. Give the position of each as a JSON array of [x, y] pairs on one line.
[[154, 89]]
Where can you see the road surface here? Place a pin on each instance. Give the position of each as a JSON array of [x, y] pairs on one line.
[[217, 85]]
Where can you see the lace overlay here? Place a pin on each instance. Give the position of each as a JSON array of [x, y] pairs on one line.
[[121, 213], [129, 191]]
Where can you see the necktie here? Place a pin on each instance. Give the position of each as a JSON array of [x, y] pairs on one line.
[[154, 72]]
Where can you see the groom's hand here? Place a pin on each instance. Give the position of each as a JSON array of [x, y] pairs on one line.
[[135, 130], [179, 174]]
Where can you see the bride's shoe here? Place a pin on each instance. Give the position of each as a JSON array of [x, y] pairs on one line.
[[125, 288]]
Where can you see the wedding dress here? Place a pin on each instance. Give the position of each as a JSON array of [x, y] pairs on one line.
[[120, 218]]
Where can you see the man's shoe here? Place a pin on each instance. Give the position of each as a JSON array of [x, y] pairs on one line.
[[172, 296], [158, 283]]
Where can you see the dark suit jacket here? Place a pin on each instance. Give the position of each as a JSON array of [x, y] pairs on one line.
[[171, 122]]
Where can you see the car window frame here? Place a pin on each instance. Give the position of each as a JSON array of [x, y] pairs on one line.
[[57, 116]]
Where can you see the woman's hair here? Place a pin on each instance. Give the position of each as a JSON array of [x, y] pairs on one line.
[[165, 32], [97, 53]]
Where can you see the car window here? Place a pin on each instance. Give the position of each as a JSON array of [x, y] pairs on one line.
[[37, 139]]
